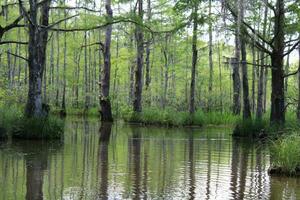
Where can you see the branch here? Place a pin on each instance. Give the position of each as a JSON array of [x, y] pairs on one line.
[[292, 73], [60, 21], [13, 42], [251, 29], [18, 56], [92, 44], [292, 49], [75, 8], [115, 22]]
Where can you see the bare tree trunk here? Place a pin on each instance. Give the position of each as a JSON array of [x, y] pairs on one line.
[[194, 62], [106, 114], [246, 108], [220, 78], [254, 70], [236, 68], [210, 82], [166, 78], [260, 86], [148, 51], [86, 84], [137, 103], [298, 108], [57, 70], [37, 55], [63, 104], [277, 97]]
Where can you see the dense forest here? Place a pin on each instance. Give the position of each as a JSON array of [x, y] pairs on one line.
[[224, 73], [224, 56]]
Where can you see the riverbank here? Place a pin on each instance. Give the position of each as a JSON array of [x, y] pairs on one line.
[[285, 155], [14, 125]]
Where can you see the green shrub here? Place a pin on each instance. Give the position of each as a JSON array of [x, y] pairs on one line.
[[38, 128], [285, 155]]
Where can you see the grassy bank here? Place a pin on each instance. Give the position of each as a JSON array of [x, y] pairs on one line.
[[262, 128], [285, 155], [13, 124], [169, 117]]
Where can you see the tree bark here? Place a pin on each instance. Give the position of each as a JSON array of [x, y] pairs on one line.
[[63, 103], [277, 96], [194, 61], [36, 59], [210, 82], [298, 107], [106, 114], [137, 102], [148, 51], [246, 102], [260, 87]]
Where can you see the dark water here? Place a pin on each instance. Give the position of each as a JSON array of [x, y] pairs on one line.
[[131, 162]]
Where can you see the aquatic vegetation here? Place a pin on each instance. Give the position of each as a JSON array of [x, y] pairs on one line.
[[250, 128], [285, 155], [169, 117], [8, 116], [50, 127]]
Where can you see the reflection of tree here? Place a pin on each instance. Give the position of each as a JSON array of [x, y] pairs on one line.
[[191, 167], [36, 162], [234, 168], [239, 167], [208, 169], [105, 132], [136, 162]]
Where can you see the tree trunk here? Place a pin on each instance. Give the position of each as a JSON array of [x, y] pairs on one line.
[[254, 70], [277, 97], [36, 59], [63, 104], [246, 102], [137, 102], [148, 51], [194, 62], [106, 114], [236, 67], [260, 87], [210, 82], [298, 108]]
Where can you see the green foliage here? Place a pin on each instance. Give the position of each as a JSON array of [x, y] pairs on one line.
[[169, 117], [250, 128], [8, 116], [38, 128], [285, 155]]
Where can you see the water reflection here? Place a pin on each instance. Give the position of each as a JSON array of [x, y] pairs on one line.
[[132, 162], [105, 133]]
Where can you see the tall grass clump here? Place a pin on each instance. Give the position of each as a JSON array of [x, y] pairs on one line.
[[285, 155], [214, 118], [47, 128], [155, 116], [250, 128], [8, 116]]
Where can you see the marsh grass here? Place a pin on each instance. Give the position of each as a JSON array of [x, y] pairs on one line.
[[250, 128], [14, 124], [47, 128], [285, 155], [169, 117]]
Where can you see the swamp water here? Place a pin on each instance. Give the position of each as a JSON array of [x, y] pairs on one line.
[[132, 162]]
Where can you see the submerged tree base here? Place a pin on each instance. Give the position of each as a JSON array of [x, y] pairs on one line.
[[250, 128], [49, 128], [280, 171]]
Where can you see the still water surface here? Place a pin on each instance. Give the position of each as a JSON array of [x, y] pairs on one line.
[[131, 162]]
